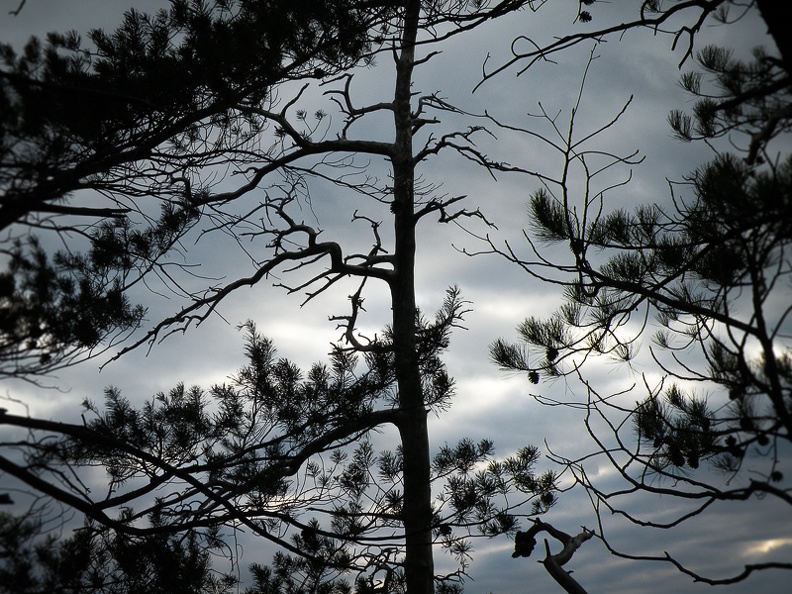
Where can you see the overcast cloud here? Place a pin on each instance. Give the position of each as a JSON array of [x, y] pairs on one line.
[[489, 403]]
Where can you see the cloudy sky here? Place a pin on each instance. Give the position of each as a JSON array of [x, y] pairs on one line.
[[488, 403]]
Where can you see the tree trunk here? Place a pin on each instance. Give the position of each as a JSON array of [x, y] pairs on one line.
[[417, 511], [776, 16]]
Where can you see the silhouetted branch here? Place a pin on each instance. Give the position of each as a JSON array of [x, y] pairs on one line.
[[18, 9], [524, 543]]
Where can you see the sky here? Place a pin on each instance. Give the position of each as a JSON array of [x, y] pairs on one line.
[[488, 403]]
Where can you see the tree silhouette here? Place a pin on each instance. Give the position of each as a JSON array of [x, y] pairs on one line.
[[260, 454], [286, 456], [95, 560], [706, 279], [98, 142]]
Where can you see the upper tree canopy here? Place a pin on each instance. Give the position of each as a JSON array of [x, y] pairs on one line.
[[99, 141]]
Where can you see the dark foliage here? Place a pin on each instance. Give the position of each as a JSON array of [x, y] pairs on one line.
[[96, 560], [97, 136], [283, 454]]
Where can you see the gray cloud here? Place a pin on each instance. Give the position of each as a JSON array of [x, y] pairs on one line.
[[489, 404]]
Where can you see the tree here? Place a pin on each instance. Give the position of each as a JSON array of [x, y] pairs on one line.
[[711, 269], [98, 142], [238, 464], [269, 454], [94, 560]]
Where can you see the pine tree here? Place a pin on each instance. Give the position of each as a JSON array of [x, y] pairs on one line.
[[703, 280], [98, 140], [258, 454]]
